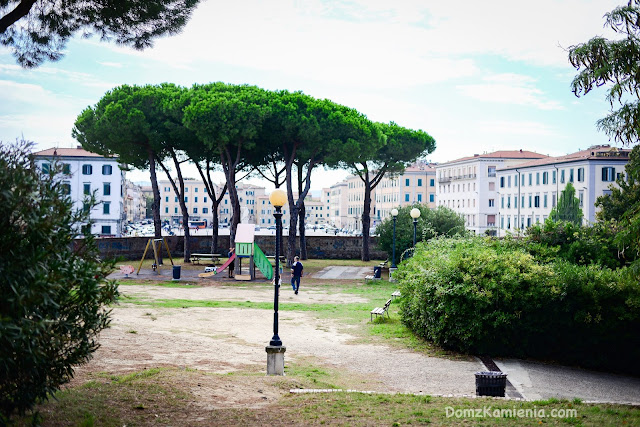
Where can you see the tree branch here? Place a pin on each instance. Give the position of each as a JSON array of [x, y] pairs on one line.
[[21, 10]]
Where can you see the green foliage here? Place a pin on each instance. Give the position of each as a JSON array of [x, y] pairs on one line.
[[582, 245], [622, 207], [54, 292], [568, 208], [614, 64], [37, 31], [488, 296], [441, 221]]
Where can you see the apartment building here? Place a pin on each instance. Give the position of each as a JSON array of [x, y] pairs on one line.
[[196, 197], [417, 185], [527, 192], [338, 201], [469, 186], [135, 204], [90, 173]]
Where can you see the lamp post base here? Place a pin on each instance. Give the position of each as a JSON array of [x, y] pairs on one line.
[[391, 271], [275, 359]]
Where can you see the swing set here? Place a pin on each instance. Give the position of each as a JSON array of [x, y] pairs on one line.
[[156, 245]]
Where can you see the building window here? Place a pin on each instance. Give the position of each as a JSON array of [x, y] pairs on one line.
[[106, 229], [106, 188], [536, 201], [432, 197], [406, 197], [562, 176], [545, 178], [419, 182], [530, 179], [492, 186], [530, 200], [502, 182], [522, 202], [502, 202], [205, 210], [571, 175], [46, 168], [205, 199], [186, 190], [86, 188], [537, 178], [580, 174], [175, 210], [66, 168], [107, 169], [492, 203], [166, 199], [432, 182], [553, 177], [608, 174], [406, 182], [195, 210], [106, 208], [195, 189], [419, 198], [195, 199], [508, 202], [491, 171], [545, 201], [166, 209], [522, 180], [186, 199], [581, 198], [553, 200], [87, 169], [86, 207], [66, 188], [509, 181]]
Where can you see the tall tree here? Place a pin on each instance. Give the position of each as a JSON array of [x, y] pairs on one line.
[[38, 30], [229, 119], [616, 65], [119, 124], [568, 207], [375, 150]]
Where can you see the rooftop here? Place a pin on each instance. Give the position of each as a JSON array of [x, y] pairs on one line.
[[504, 154], [66, 152], [591, 153]]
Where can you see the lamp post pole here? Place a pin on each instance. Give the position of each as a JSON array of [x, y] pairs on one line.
[[275, 340], [415, 214], [393, 260], [275, 349]]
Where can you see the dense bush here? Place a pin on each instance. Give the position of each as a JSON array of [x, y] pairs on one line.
[[486, 296], [577, 244], [53, 297]]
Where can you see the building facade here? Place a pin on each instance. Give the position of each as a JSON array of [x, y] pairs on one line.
[[469, 186], [135, 203], [527, 192], [338, 201], [90, 173]]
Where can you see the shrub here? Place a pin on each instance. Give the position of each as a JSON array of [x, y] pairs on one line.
[[487, 296], [54, 297]]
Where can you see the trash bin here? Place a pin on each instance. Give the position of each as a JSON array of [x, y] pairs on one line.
[[176, 272], [491, 383], [377, 272]]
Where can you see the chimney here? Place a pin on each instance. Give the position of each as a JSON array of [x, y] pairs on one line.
[[521, 150]]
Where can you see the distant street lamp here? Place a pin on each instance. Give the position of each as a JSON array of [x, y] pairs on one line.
[[394, 215], [275, 350], [415, 214]]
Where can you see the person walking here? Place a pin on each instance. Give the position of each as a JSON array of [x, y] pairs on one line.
[[296, 274], [233, 263]]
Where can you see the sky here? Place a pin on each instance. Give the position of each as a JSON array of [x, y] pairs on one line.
[[477, 76]]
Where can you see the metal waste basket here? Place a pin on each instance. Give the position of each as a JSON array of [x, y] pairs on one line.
[[491, 383], [176, 272], [377, 272]]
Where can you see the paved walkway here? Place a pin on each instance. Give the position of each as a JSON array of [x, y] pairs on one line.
[[342, 272]]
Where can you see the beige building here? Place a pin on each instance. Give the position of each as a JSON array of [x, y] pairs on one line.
[[469, 186], [528, 191], [417, 185], [135, 203]]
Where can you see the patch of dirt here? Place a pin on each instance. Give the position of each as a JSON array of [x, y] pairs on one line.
[[233, 340]]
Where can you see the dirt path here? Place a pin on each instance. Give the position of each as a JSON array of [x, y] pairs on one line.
[[223, 340]]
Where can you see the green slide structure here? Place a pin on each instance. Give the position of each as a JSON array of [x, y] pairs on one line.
[[262, 262]]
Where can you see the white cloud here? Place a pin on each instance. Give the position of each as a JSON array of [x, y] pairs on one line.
[[510, 89], [516, 128]]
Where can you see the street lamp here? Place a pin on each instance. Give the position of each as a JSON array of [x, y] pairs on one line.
[[275, 349], [415, 214], [394, 215]]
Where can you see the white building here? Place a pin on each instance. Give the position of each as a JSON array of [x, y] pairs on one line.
[[135, 203], [90, 173], [469, 186], [528, 191], [338, 202]]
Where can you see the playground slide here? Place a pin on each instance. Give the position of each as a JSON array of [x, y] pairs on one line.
[[220, 269], [262, 262]]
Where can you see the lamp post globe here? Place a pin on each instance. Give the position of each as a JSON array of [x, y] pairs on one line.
[[415, 214], [394, 215], [277, 199]]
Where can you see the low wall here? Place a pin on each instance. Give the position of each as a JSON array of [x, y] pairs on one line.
[[318, 247]]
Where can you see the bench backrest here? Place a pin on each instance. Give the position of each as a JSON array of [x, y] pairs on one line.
[[386, 306]]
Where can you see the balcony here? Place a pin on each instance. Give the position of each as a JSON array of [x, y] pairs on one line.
[[457, 177]]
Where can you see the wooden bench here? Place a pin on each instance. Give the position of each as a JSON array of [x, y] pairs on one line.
[[380, 311], [383, 264], [197, 257], [396, 294]]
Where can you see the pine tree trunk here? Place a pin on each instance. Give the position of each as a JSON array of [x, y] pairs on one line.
[[155, 207], [301, 228], [366, 221]]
